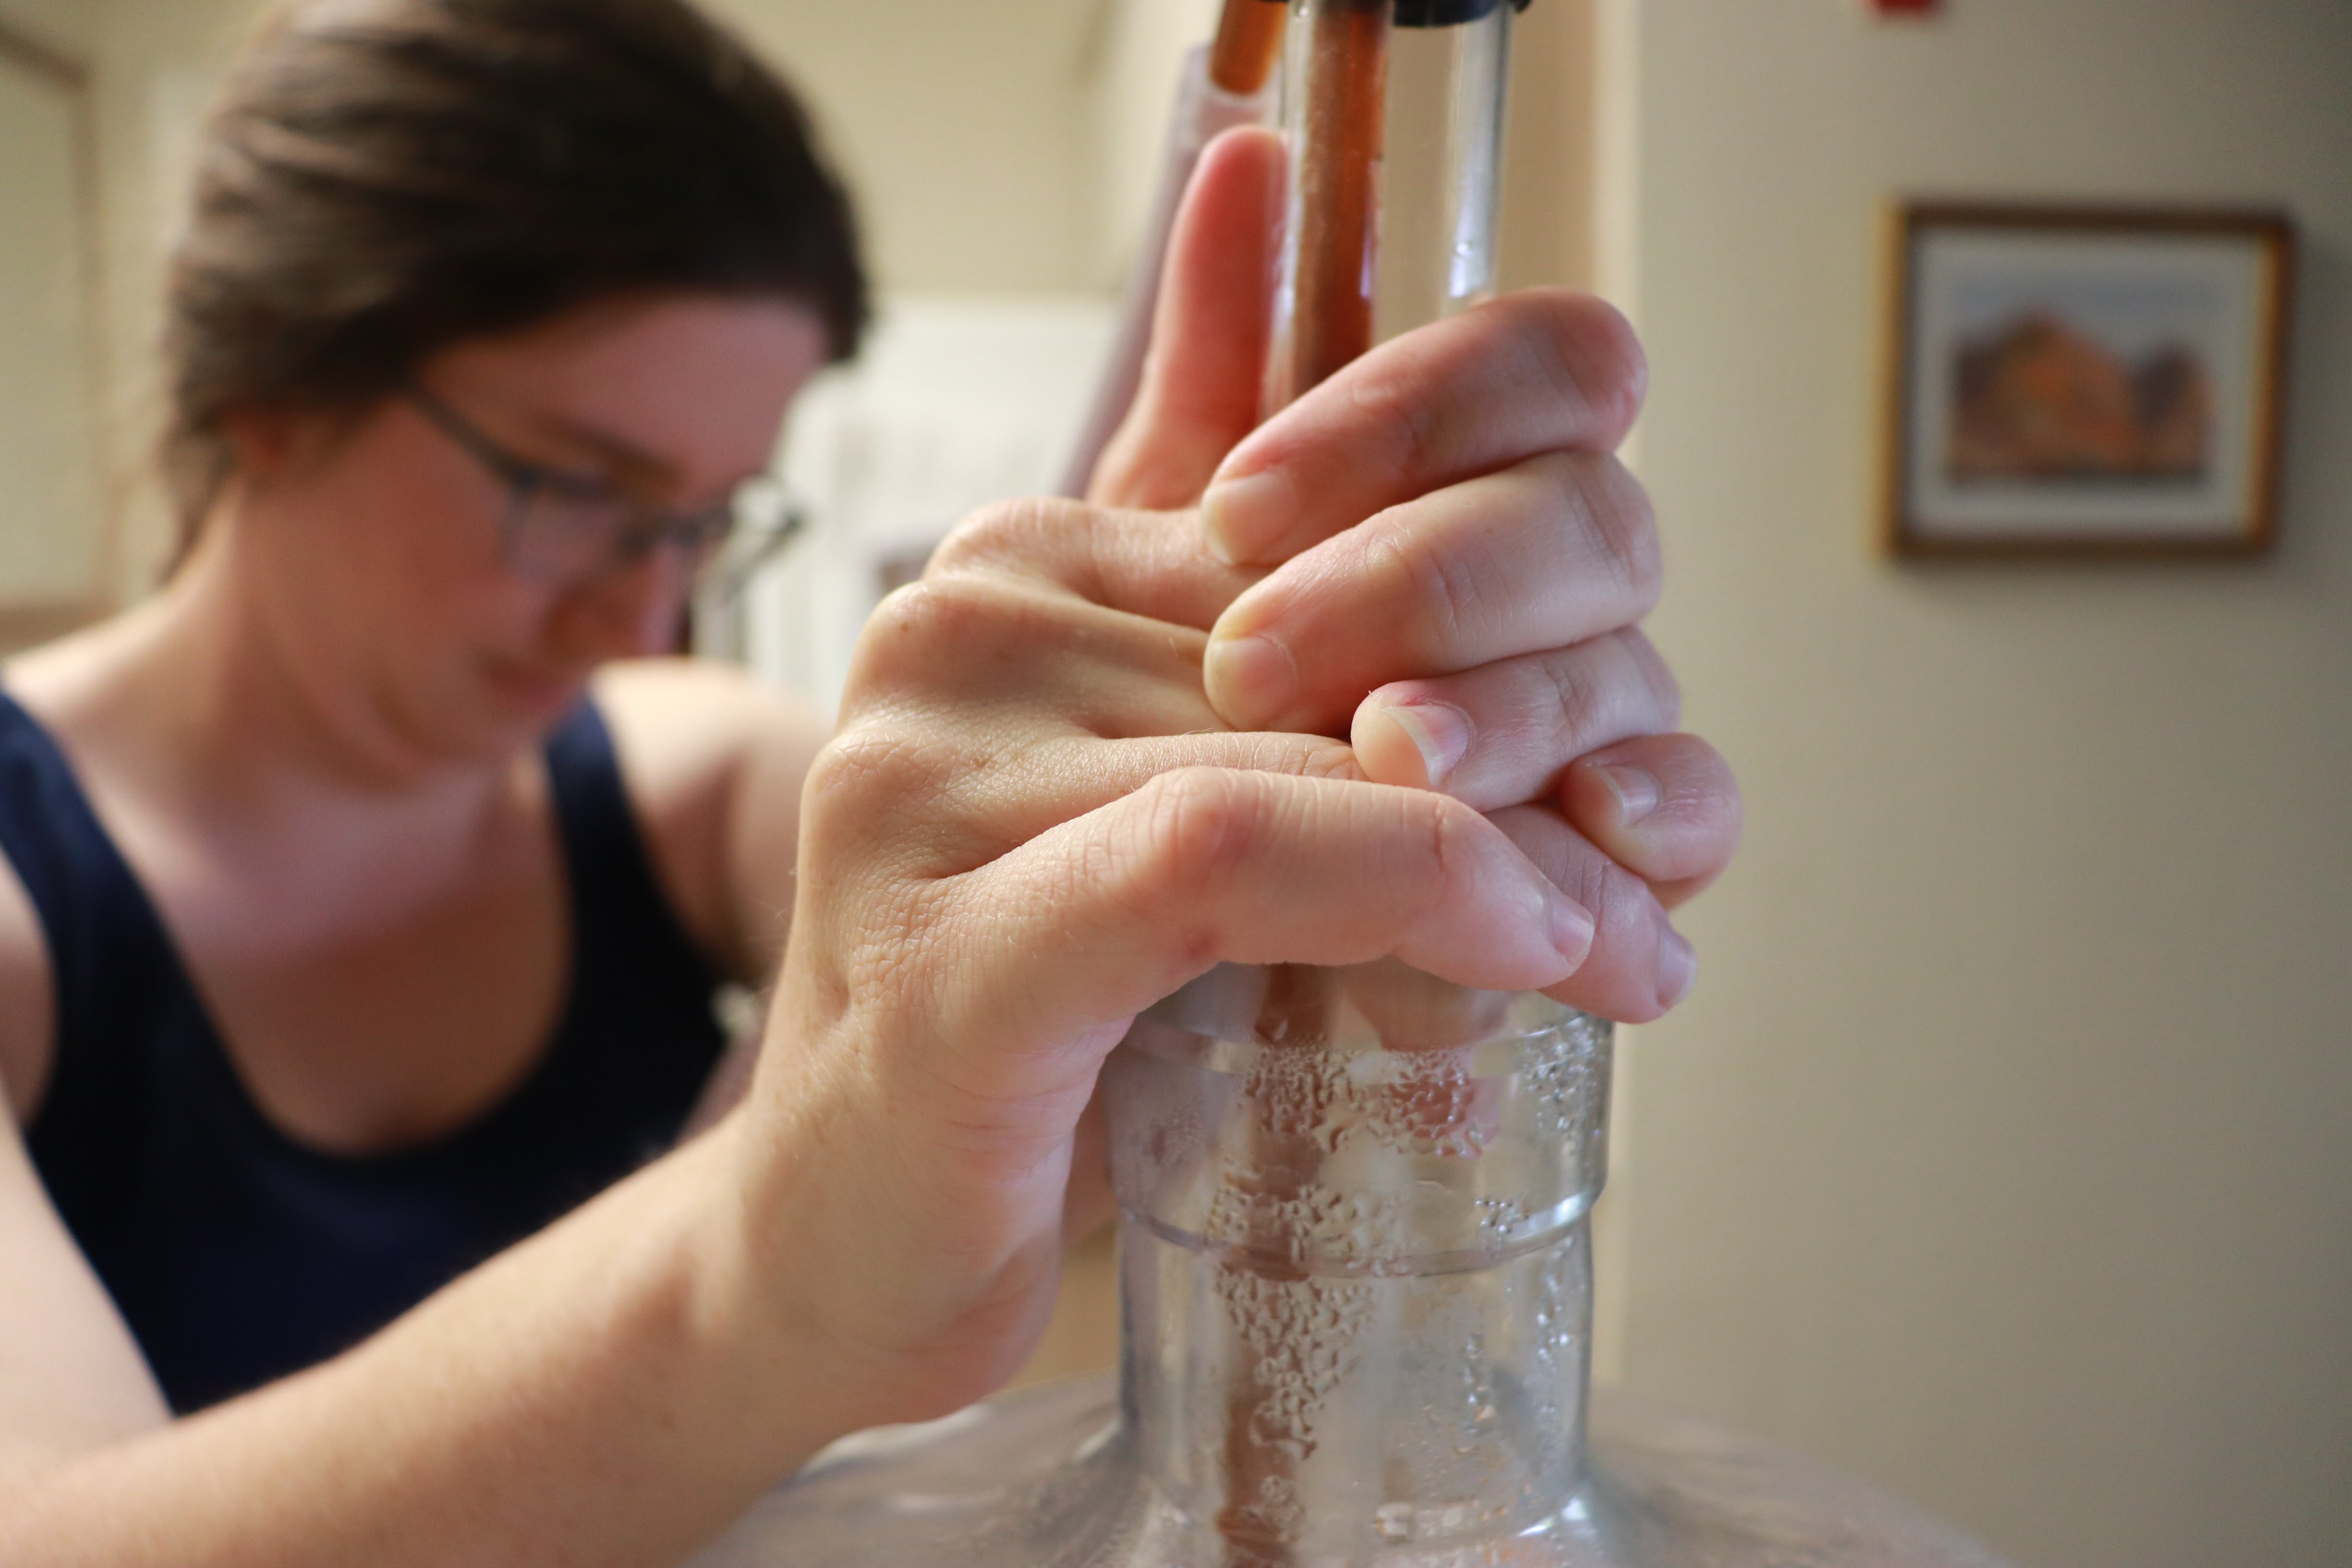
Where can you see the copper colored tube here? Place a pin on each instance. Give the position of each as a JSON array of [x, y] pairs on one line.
[[1248, 43], [1261, 1457], [1337, 209], [1337, 146]]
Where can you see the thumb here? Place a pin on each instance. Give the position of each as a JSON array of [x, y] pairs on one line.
[[1200, 383]]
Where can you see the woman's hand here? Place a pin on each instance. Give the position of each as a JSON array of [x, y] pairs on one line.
[[1031, 826], [1039, 816], [1455, 568]]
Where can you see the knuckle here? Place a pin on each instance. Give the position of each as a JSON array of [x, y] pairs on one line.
[[1449, 825], [1393, 399], [1731, 806], [1336, 761], [1460, 845], [1622, 903], [1434, 593], [924, 611], [1618, 509], [1621, 363], [1291, 756], [1666, 691], [1002, 534], [1573, 697], [860, 768], [862, 787], [1196, 823], [950, 617], [1710, 785], [1592, 354]]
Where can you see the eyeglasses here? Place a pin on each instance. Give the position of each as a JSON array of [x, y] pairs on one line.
[[566, 528]]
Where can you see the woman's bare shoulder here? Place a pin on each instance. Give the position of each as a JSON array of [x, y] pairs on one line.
[[714, 759], [59, 682], [685, 717], [61, 679], [70, 1376]]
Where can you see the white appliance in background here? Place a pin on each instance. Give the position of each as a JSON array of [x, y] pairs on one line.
[[953, 404]]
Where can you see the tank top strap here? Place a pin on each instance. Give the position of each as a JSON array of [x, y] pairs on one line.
[[623, 918], [112, 962]]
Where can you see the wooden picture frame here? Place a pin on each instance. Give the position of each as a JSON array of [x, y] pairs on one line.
[[2086, 380]]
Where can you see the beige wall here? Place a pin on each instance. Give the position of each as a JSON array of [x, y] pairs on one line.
[[54, 534], [1549, 156], [159, 62], [53, 537], [2004, 1153], [967, 129]]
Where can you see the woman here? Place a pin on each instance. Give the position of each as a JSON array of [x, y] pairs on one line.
[[348, 946]]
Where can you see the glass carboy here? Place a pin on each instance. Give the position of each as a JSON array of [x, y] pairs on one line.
[[1357, 1286]]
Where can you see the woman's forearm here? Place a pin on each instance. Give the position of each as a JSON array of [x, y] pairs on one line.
[[608, 1392]]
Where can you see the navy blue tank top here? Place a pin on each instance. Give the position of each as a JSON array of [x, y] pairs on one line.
[[238, 1254]]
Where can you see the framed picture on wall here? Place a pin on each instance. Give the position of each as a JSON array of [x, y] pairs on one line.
[[2084, 381]]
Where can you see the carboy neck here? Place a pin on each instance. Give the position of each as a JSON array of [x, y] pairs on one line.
[[1356, 1269]]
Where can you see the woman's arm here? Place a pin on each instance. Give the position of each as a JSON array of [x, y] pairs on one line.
[[70, 1377], [605, 1393], [580, 1399]]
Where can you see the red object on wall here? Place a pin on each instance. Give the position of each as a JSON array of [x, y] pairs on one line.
[[1906, 7]]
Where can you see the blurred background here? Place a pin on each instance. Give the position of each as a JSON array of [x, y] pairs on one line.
[[2004, 1154]]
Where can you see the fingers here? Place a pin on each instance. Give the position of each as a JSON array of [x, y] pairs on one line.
[[1664, 806], [1144, 563], [1411, 1012], [1639, 965], [1032, 788], [1501, 734], [982, 654], [1201, 381], [1535, 372], [1545, 553], [1100, 917]]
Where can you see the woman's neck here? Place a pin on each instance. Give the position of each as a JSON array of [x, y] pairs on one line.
[[197, 697]]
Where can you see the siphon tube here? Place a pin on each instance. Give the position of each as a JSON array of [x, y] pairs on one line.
[[1249, 45], [1334, 100], [1338, 87]]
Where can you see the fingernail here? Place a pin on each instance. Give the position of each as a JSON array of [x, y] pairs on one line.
[[1636, 789], [1252, 681], [1677, 969], [1438, 730], [1571, 927], [1241, 516]]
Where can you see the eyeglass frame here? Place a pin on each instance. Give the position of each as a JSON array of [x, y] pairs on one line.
[[721, 571]]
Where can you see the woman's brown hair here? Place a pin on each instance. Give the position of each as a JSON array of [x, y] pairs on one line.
[[385, 177]]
